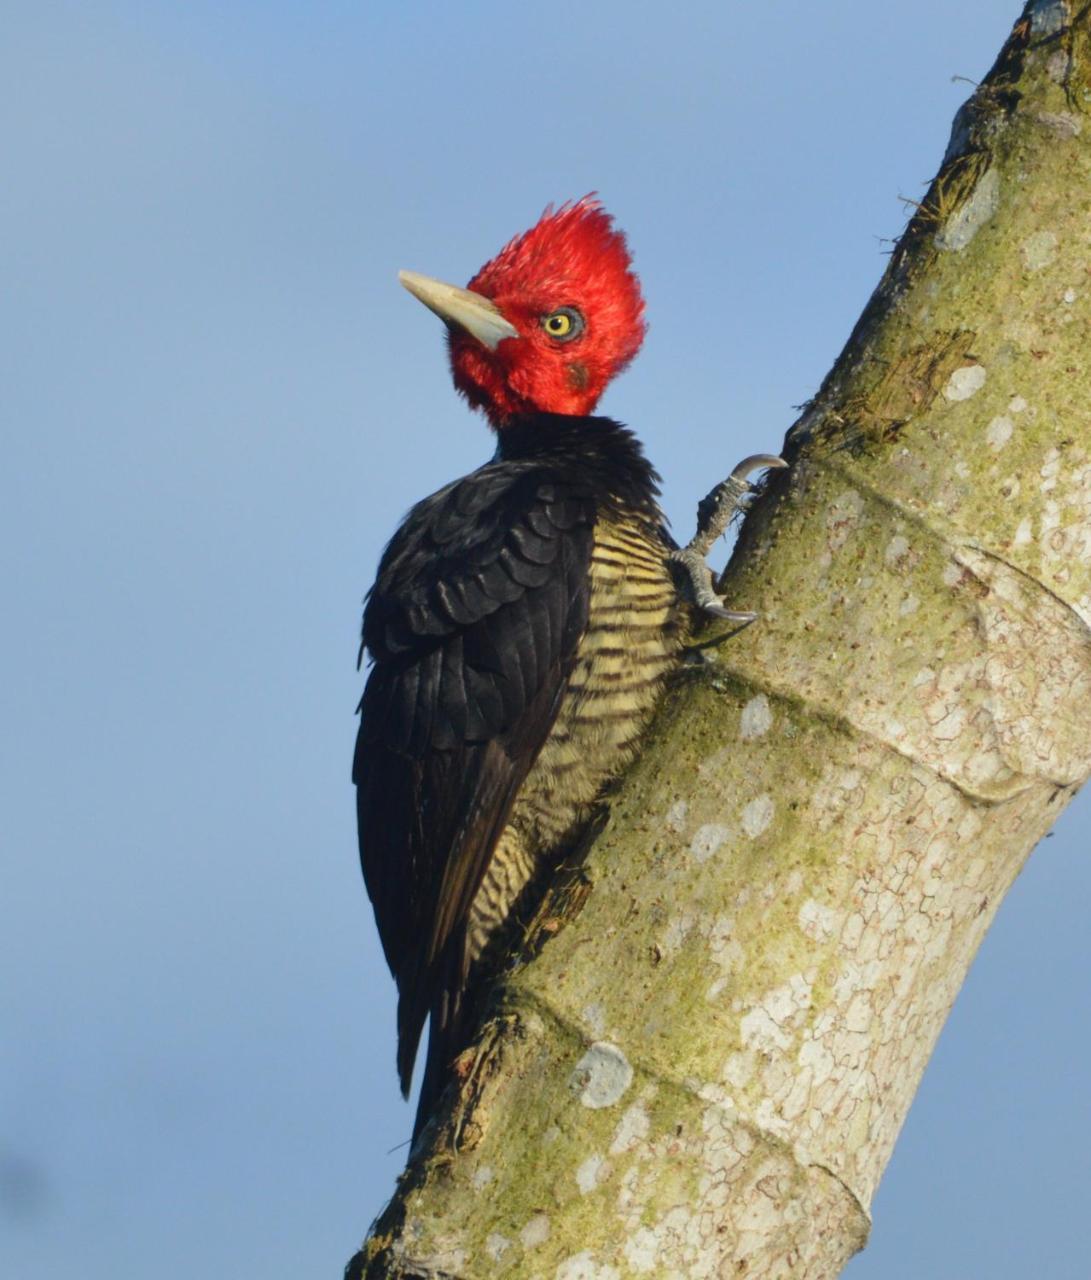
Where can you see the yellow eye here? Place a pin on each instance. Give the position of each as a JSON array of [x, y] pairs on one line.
[[564, 324]]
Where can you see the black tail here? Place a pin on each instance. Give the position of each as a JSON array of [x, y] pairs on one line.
[[446, 1040]]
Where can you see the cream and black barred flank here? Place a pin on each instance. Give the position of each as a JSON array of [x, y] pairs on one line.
[[520, 626]]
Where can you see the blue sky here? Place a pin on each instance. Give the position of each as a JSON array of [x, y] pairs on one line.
[[216, 404]]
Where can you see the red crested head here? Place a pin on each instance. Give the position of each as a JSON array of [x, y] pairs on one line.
[[547, 324]]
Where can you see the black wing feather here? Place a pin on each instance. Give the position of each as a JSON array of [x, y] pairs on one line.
[[473, 624]]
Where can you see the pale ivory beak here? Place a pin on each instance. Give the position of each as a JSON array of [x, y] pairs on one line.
[[461, 307]]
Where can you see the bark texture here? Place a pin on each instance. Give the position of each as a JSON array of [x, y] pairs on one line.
[[701, 1064]]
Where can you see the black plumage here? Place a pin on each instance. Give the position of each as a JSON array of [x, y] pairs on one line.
[[474, 625]]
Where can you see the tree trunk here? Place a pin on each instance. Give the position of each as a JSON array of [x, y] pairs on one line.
[[701, 1064]]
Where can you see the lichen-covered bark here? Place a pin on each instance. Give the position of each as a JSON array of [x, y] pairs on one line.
[[703, 1068]]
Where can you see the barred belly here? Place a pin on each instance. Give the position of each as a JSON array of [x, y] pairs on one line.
[[631, 641]]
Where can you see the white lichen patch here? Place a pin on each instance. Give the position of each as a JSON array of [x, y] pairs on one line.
[[632, 1129], [965, 382], [952, 573], [909, 606], [757, 816], [974, 212], [999, 432], [739, 1068], [675, 934], [536, 1232], [601, 1076], [482, 1177], [818, 922], [496, 1245], [837, 790], [715, 990], [1039, 249], [594, 1015], [770, 1026], [582, 1266], [592, 1173], [726, 953], [707, 839], [1017, 405], [756, 719], [676, 817], [1023, 329], [1050, 469], [898, 555], [642, 1250]]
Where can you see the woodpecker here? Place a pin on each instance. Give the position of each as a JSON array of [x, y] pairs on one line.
[[521, 624]]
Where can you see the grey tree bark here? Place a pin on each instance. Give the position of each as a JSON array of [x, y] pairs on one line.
[[701, 1062]]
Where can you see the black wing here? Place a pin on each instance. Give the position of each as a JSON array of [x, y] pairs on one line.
[[473, 624]]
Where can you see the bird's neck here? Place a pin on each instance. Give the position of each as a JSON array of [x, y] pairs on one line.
[[604, 453]]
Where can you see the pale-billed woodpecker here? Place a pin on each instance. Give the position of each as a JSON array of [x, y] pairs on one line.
[[521, 624]]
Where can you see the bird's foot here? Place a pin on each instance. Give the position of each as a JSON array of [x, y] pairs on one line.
[[714, 513]]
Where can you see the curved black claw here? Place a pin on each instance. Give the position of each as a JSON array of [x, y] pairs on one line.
[[758, 462], [743, 616]]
